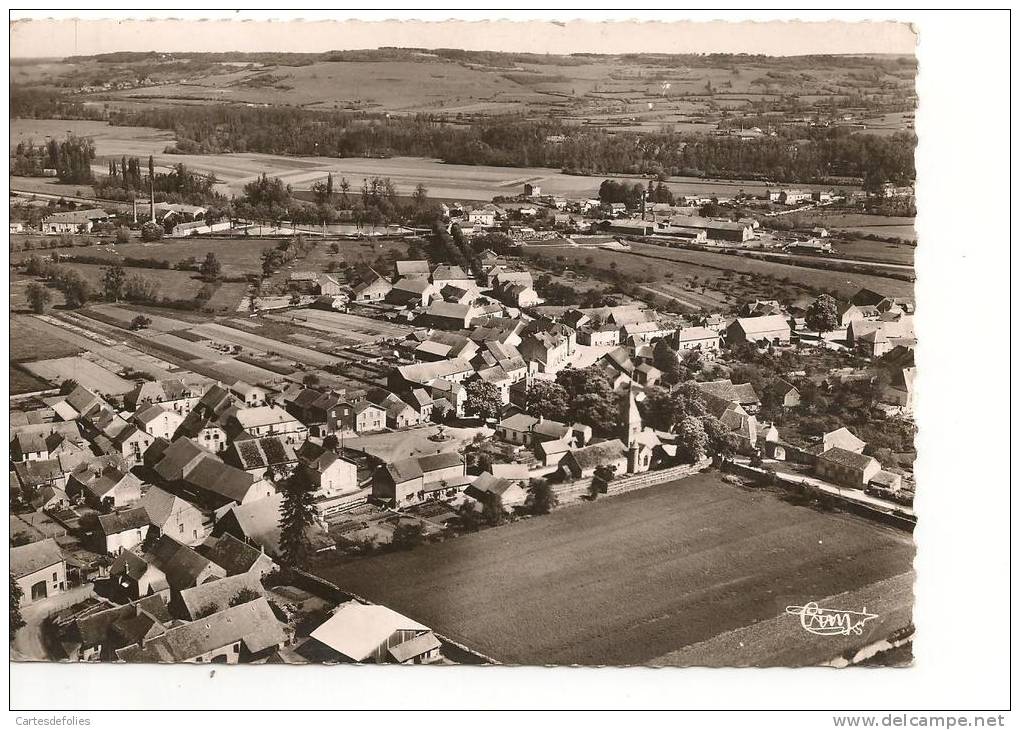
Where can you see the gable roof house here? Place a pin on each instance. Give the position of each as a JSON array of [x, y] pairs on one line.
[[39, 569], [264, 458], [772, 329], [104, 487], [159, 422], [238, 557], [697, 338], [581, 463], [246, 633], [413, 480], [374, 288], [846, 467], [410, 269], [120, 531], [216, 595], [408, 377], [173, 394], [170, 515], [97, 636], [489, 488], [258, 523], [451, 316], [743, 394], [372, 634], [412, 293]]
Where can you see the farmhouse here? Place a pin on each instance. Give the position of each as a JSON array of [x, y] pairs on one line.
[[239, 558], [773, 329], [408, 481], [412, 292], [266, 421], [75, 221], [242, 633], [170, 515], [104, 488], [581, 463], [410, 270], [408, 377], [120, 531], [846, 467], [372, 289], [39, 569], [697, 338], [451, 316]]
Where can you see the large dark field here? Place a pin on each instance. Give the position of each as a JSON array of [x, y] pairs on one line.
[[630, 579]]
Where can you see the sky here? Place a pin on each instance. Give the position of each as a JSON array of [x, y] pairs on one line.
[[48, 37]]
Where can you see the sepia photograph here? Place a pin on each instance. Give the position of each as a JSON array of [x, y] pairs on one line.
[[345, 342]]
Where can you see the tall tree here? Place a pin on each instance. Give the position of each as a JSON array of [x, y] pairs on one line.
[[547, 399], [38, 297], [692, 438], [113, 283], [541, 497], [16, 595], [483, 399], [297, 515], [822, 315], [210, 269]]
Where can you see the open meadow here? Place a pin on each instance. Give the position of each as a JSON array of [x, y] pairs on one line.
[[632, 578]]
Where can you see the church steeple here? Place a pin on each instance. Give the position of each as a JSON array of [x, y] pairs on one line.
[[630, 417]]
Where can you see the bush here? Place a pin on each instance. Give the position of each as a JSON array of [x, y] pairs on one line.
[[152, 232]]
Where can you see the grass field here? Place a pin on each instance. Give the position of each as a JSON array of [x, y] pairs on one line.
[[632, 578], [862, 248], [89, 374]]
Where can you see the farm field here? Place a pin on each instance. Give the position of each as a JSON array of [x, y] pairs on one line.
[[632, 578], [348, 326], [31, 339], [863, 224], [89, 374], [862, 248], [444, 182]]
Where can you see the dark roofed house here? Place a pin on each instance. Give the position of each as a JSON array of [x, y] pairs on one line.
[[743, 394], [39, 569], [182, 566], [119, 531], [238, 557], [408, 481], [846, 467], [264, 458], [217, 595], [581, 463], [97, 636], [246, 633], [488, 488]]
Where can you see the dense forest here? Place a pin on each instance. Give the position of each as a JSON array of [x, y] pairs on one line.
[[801, 154]]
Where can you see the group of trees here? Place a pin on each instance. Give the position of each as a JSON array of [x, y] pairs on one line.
[[125, 181], [71, 159], [577, 395], [824, 155], [613, 191]]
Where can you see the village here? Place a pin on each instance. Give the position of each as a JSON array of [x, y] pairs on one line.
[[185, 518]]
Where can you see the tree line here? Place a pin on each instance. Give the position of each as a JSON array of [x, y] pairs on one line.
[[515, 142]]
